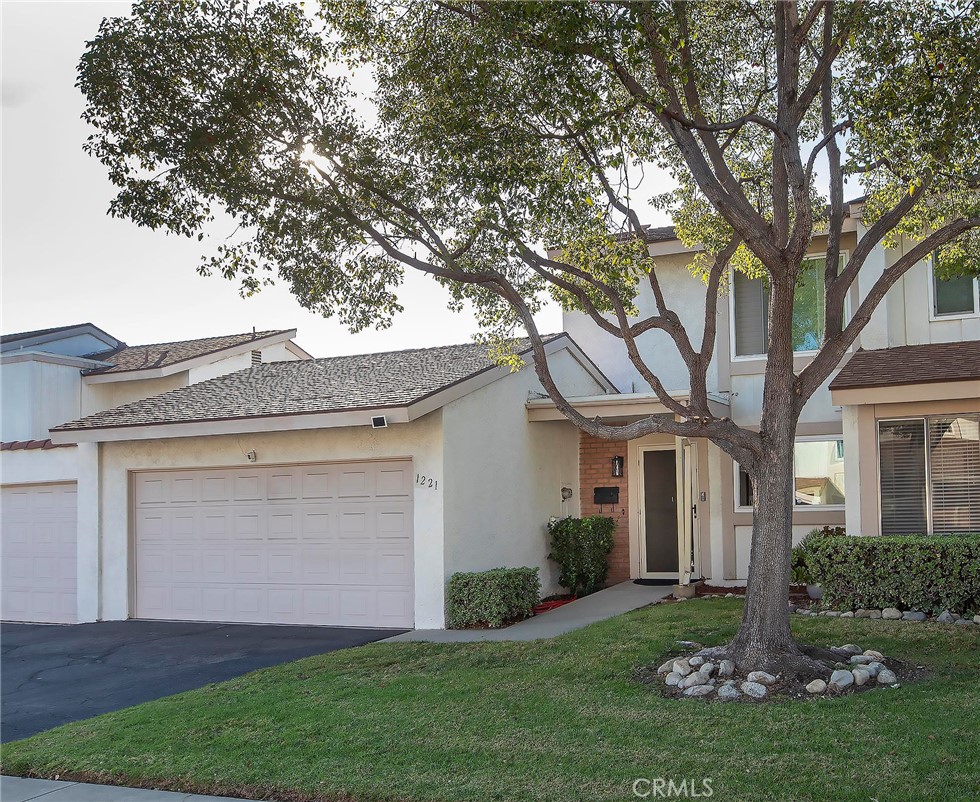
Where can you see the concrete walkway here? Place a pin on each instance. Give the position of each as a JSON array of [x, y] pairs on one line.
[[599, 606], [20, 789]]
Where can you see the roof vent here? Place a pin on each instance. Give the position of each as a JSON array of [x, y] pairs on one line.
[[379, 422], [256, 358]]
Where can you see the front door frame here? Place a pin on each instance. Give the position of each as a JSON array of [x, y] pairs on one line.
[[686, 466]]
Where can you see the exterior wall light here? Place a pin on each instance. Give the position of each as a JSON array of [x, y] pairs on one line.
[[617, 466]]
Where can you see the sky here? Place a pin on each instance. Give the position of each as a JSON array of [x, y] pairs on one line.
[[63, 260]]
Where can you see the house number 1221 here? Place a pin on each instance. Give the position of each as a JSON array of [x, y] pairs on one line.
[[426, 481]]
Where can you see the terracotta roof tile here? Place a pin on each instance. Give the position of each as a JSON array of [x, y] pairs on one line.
[[366, 381], [22, 445], [158, 355], [911, 364]]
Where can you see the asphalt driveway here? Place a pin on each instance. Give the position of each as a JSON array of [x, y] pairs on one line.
[[51, 675]]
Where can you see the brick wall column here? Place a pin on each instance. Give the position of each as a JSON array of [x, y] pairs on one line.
[[595, 470]]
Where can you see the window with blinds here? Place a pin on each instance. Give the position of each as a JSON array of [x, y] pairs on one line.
[[929, 471]]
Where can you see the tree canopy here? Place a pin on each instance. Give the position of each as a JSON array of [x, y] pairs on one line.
[[496, 130]]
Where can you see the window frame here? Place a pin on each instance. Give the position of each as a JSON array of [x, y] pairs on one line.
[[803, 438], [936, 316], [735, 357], [930, 524]]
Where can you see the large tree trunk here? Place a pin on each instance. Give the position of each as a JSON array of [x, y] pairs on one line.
[[764, 636]]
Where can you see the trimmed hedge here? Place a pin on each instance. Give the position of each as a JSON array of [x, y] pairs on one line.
[[492, 598], [928, 573], [581, 548]]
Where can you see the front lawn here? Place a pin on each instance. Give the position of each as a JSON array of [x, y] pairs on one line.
[[553, 720]]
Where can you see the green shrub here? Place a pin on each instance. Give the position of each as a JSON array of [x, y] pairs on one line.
[[928, 573], [800, 573], [492, 598], [581, 548]]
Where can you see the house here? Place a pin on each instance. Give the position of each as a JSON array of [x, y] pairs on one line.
[[888, 446], [214, 484], [339, 491], [56, 375]]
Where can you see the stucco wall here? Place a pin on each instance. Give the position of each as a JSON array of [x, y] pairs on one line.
[[685, 295], [36, 396], [503, 474], [106, 395], [38, 465], [421, 440]]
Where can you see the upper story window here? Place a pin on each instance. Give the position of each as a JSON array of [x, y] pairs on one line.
[[750, 308], [956, 295]]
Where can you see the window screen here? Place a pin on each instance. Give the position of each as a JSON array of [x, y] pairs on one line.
[[902, 469], [953, 296], [954, 473]]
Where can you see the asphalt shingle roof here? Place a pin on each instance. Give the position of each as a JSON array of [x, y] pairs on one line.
[[911, 364], [158, 355], [366, 381]]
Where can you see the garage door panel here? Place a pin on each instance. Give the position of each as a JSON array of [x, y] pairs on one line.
[[38, 537], [314, 544]]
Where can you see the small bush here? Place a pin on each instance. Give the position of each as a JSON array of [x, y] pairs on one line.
[[800, 573], [581, 548], [492, 598], [928, 573]]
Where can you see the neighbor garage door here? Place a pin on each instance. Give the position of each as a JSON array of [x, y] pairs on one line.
[[306, 544], [38, 529]]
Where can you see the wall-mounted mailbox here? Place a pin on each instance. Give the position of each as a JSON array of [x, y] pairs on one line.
[[605, 495]]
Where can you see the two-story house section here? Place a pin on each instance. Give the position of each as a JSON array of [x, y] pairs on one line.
[[55, 375], [890, 445]]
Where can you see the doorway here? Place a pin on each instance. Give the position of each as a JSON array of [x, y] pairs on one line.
[[659, 532]]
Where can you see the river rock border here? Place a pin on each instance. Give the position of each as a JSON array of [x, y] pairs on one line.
[[699, 677], [885, 614]]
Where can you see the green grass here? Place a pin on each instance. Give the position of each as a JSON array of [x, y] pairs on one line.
[[554, 720]]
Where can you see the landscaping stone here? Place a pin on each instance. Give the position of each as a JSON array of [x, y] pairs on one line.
[[945, 617], [891, 613], [673, 678], [831, 613], [886, 677], [728, 692], [802, 611], [755, 690], [861, 659], [874, 668], [817, 686], [966, 621], [875, 615], [862, 613], [913, 615], [840, 679], [761, 677], [860, 676], [726, 668], [667, 667], [707, 669], [699, 690], [695, 661], [693, 679], [682, 667], [851, 648], [976, 619], [847, 614], [874, 655]]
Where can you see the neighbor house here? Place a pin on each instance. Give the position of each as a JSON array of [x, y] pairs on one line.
[[235, 479], [337, 491]]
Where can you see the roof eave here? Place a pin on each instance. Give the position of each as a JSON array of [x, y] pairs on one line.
[[189, 363]]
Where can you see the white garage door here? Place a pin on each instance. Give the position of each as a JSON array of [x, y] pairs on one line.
[[306, 544], [39, 536]]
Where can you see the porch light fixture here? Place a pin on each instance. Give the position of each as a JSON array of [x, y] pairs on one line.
[[617, 466]]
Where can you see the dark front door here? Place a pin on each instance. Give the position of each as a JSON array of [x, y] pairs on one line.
[[660, 510]]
